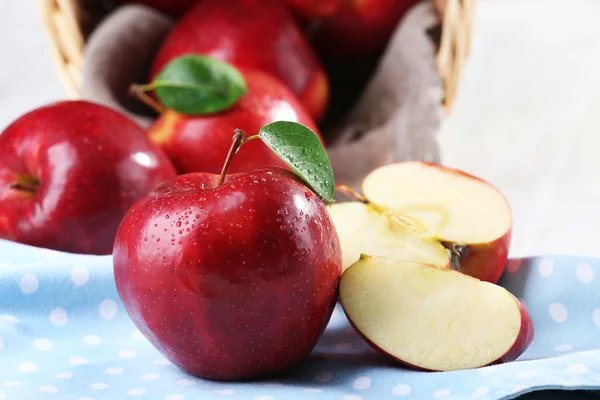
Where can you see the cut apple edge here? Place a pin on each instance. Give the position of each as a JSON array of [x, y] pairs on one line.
[[433, 319]]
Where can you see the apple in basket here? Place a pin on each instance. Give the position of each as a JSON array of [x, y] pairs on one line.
[[68, 173], [252, 34], [427, 213], [197, 140], [314, 8], [360, 27], [235, 276], [432, 318], [172, 7]]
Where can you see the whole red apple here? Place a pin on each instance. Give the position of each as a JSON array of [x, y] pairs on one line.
[[68, 173], [309, 9], [260, 34], [361, 26], [172, 7], [229, 281], [200, 143]]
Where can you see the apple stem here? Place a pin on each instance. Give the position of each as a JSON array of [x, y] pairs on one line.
[[139, 91], [348, 191], [249, 139], [238, 141]]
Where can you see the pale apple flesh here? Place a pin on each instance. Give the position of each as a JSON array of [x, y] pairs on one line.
[[468, 216], [431, 318], [362, 229]]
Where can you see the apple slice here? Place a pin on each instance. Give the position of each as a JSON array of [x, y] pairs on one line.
[[433, 319], [467, 215], [364, 229]]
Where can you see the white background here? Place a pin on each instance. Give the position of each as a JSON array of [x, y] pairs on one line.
[[527, 118]]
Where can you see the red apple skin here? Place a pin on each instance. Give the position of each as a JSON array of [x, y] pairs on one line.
[[361, 27], [309, 9], [485, 261], [259, 34], [524, 338], [92, 164], [229, 282], [522, 342], [201, 143], [174, 8]]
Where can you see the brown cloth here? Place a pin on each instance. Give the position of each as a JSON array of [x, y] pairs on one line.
[[396, 118]]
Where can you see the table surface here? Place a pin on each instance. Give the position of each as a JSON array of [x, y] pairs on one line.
[[526, 118]]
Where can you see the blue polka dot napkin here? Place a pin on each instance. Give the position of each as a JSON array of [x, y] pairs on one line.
[[65, 335]]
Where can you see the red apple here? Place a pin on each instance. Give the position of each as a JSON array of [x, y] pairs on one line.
[[68, 173], [361, 26], [309, 9], [172, 7], [233, 280], [259, 34], [432, 318], [200, 143]]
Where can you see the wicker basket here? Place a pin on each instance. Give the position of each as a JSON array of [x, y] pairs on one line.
[[68, 24]]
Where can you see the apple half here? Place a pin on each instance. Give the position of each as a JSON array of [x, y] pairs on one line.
[[467, 216], [431, 318], [365, 229]]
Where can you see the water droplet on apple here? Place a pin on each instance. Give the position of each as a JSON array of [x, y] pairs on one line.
[[205, 225], [158, 239], [180, 231], [197, 216], [291, 224], [145, 239], [281, 227], [178, 224], [287, 212], [303, 229], [187, 229], [186, 222], [167, 216]]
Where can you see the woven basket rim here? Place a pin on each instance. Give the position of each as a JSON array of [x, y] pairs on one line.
[[61, 20]]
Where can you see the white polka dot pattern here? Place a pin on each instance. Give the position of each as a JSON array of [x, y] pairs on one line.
[[402, 390], [558, 312], [29, 284], [66, 334], [58, 317]]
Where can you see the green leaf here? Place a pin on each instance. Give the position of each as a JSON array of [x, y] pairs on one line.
[[300, 148], [198, 85]]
